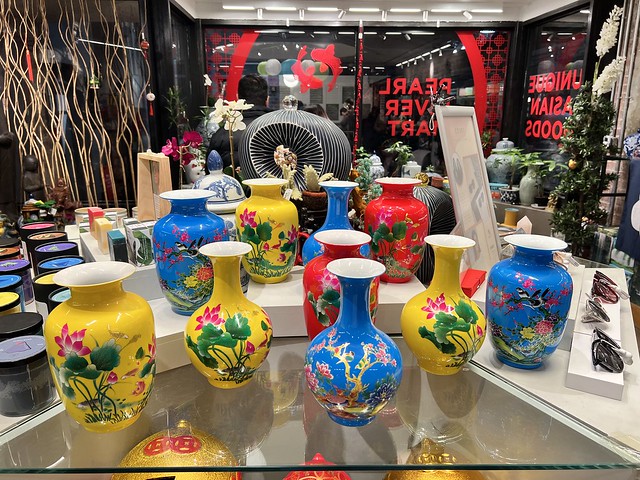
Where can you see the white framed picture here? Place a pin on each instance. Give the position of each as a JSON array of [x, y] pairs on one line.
[[475, 216]]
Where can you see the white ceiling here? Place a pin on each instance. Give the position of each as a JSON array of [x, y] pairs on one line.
[[512, 10]]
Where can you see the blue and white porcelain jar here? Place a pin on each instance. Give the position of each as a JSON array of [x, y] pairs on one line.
[[352, 368], [186, 276], [527, 301]]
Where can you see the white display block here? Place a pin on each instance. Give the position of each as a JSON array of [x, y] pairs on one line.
[[581, 375]]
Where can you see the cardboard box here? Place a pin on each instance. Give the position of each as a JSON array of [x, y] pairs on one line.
[[117, 246], [139, 246]]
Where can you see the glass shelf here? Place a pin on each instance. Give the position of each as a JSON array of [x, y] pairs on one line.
[[273, 424]]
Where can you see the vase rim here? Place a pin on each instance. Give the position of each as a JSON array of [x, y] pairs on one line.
[[400, 181], [225, 248], [93, 274], [345, 238], [536, 242], [338, 183], [449, 241], [265, 182], [357, 268], [187, 194]]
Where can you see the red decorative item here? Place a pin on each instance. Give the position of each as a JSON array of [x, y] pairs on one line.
[[397, 223], [29, 66], [318, 459], [321, 302]]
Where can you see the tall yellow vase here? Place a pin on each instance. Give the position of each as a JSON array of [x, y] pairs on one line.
[[101, 346], [269, 224], [228, 338], [442, 326]]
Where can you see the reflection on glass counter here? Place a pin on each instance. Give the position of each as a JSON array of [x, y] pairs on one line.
[[271, 426]]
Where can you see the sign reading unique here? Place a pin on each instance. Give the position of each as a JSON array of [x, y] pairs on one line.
[[550, 102]]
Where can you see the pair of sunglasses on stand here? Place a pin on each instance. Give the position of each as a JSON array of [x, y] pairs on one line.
[[606, 290], [607, 353]]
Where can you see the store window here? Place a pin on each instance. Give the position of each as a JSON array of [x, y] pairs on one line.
[[553, 77]]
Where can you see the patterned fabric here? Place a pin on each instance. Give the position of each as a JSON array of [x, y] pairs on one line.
[[630, 226]]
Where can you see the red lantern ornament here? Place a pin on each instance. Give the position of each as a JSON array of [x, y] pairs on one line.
[[318, 459]]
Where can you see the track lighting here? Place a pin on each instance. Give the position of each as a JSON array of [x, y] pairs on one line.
[[341, 14], [301, 14], [260, 11], [467, 14], [383, 15], [408, 37], [425, 15]]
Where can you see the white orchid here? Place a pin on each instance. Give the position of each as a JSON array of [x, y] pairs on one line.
[[610, 73], [230, 112], [609, 33], [207, 80]]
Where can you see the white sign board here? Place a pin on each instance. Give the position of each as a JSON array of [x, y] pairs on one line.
[[469, 184]]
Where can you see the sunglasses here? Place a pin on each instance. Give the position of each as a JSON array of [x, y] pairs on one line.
[[606, 289], [595, 313], [607, 353]]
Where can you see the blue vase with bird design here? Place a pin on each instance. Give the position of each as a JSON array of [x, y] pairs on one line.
[[527, 301], [185, 275]]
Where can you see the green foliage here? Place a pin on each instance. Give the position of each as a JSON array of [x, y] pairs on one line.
[[580, 189], [175, 106], [403, 154]]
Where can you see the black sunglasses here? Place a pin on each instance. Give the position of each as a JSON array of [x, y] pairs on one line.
[[607, 354]]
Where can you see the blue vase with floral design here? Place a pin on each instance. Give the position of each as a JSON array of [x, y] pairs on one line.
[[337, 218], [527, 302], [186, 276], [352, 368]]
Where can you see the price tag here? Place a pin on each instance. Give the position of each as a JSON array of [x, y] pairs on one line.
[[287, 194]]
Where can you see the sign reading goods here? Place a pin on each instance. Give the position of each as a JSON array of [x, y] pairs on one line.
[[401, 112], [549, 98]]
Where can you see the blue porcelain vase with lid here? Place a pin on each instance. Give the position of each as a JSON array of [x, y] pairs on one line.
[[352, 368], [337, 217], [527, 301], [185, 275]]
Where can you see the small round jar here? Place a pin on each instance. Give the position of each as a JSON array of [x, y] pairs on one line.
[[13, 283], [43, 286], [9, 303], [57, 297], [9, 253], [29, 228], [9, 242], [26, 386], [59, 263], [42, 238], [54, 250], [20, 324], [20, 267], [116, 213]]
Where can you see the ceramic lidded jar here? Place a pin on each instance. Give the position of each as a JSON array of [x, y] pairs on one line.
[[442, 326], [498, 163], [352, 368], [397, 223], [321, 288], [527, 302], [227, 338], [101, 346], [269, 224], [185, 275]]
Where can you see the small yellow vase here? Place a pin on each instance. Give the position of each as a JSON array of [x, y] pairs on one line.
[[269, 224], [227, 338], [442, 326], [101, 345]]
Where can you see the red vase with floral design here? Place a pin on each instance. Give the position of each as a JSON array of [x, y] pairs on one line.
[[321, 302], [397, 223]]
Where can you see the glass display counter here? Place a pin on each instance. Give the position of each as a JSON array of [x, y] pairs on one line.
[[273, 424]]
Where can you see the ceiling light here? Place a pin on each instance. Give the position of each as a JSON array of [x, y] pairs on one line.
[[548, 39], [297, 45], [404, 10], [345, 33], [322, 9], [384, 37], [341, 14], [383, 16], [467, 15], [364, 9], [259, 54], [565, 34], [486, 10], [281, 9], [455, 50], [415, 62], [437, 23], [301, 32], [260, 14], [430, 56], [422, 33], [236, 7], [287, 23], [321, 32], [585, 12], [445, 10], [463, 47], [301, 14], [440, 54], [408, 37], [425, 15], [268, 31], [398, 64], [393, 33], [284, 47], [572, 38], [380, 68], [487, 32]]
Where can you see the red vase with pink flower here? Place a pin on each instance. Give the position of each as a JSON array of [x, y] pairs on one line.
[[321, 302], [397, 223], [228, 338]]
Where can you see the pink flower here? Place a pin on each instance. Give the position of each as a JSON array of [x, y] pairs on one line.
[[171, 149], [329, 281], [210, 316], [479, 331], [184, 237], [438, 305], [152, 347], [248, 218], [140, 387], [112, 378], [265, 247], [544, 327], [192, 138], [292, 234], [250, 348], [282, 257], [383, 357], [71, 343], [528, 283], [312, 381], [324, 370], [383, 216]]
